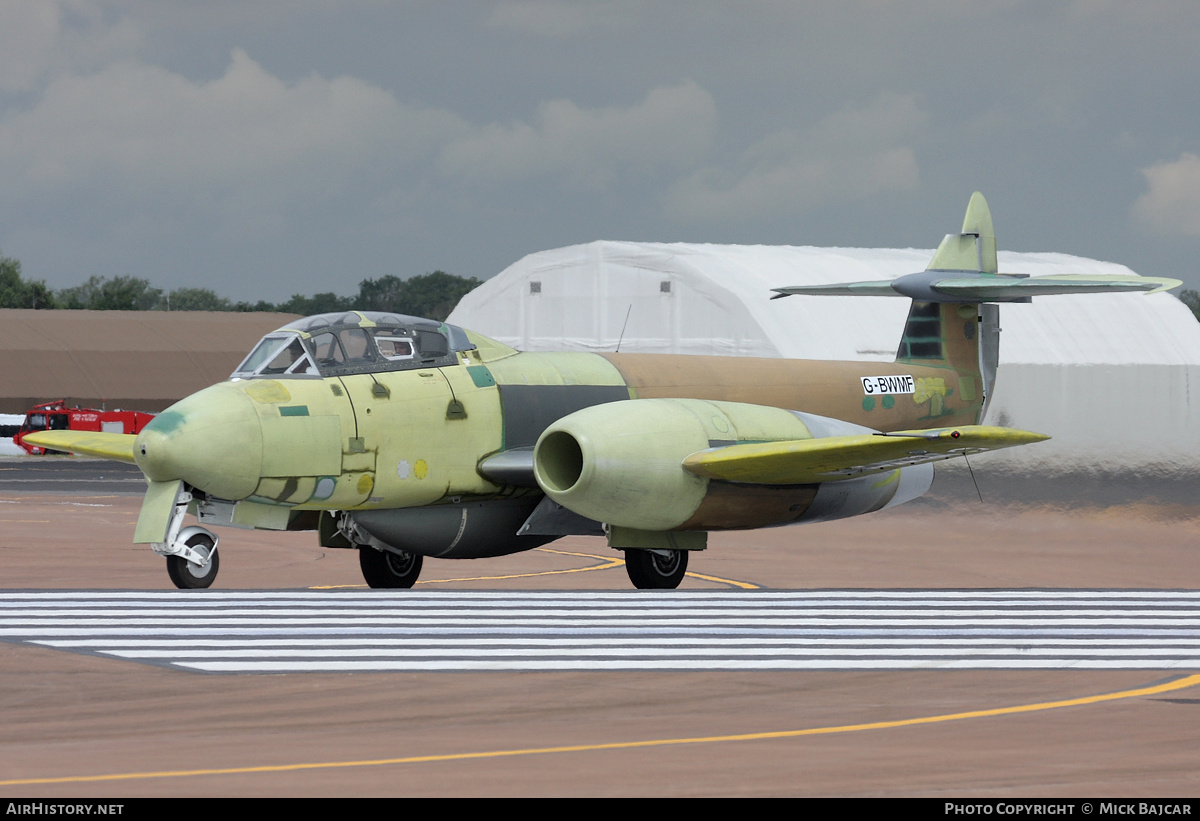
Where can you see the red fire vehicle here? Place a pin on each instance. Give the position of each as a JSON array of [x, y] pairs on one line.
[[57, 416]]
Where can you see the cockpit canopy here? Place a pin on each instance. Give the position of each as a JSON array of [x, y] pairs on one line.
[[354, 342]]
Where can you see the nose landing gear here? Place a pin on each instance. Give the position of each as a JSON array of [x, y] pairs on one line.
[[191, 552]]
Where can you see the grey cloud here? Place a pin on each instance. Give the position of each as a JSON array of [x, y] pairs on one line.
[[547, 18], [147, 130], [42, 40], [28, 42], [852, 154], [672, 127], [1172, 205], [372, 136]]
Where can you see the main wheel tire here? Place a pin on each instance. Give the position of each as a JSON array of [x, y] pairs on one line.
[[188, 576], [652, 570], [383, 569]]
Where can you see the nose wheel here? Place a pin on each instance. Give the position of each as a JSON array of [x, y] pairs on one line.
[[195, 567]]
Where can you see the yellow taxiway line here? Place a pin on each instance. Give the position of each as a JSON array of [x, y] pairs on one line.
[[719, 580], [1177, 684], [607, 563]]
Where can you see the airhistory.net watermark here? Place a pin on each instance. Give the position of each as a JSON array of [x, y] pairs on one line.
[[48, 808]]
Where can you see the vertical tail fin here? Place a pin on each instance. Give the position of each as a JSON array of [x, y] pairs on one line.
[[964, 335], [974, 248]]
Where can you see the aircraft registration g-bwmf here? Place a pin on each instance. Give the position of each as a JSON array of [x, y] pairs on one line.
[[405, 438]]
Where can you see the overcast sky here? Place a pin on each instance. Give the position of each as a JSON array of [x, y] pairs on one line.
[[268, 148]]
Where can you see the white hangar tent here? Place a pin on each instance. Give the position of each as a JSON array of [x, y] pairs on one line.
[[1108, 376]]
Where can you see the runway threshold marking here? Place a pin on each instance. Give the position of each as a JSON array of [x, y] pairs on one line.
[[439, 631], [1151, 690]]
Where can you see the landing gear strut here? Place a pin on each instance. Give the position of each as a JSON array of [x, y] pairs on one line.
[[191, 552], [656, 569]]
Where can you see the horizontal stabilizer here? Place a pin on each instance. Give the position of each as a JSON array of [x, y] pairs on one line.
[[1003, 288], [881, 287], [964, 270], [961, 286], [806, 461], [116, 446]]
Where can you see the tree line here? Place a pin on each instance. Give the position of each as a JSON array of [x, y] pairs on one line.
[[431, 295]]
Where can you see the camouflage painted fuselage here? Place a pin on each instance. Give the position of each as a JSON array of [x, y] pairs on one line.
[[414, 438]]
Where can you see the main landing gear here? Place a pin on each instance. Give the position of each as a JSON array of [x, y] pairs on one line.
[[656, 569], [383, 567], [388, 569]]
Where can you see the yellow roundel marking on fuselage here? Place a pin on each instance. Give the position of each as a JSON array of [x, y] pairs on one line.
[[365, 483], [420, 469]]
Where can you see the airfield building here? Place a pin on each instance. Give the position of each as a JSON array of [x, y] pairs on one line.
[[137, 360]]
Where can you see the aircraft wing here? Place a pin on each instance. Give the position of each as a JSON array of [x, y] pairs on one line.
[[116, 446], [805, 461]]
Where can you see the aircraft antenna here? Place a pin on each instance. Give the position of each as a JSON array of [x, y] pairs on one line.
[[455, 410], [972, 472], [623, 326]]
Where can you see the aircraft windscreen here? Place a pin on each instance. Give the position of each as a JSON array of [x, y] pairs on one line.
[[261, 353], [275, 355]]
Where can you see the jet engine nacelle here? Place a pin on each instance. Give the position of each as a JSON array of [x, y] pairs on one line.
[[621, 463]]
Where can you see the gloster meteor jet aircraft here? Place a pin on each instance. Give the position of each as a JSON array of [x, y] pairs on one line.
[[404, 438]]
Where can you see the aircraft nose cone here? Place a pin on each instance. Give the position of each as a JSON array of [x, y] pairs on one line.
[[212, 440], [151, 451]]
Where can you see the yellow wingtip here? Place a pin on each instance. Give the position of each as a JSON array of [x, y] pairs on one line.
[[115, 446]]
